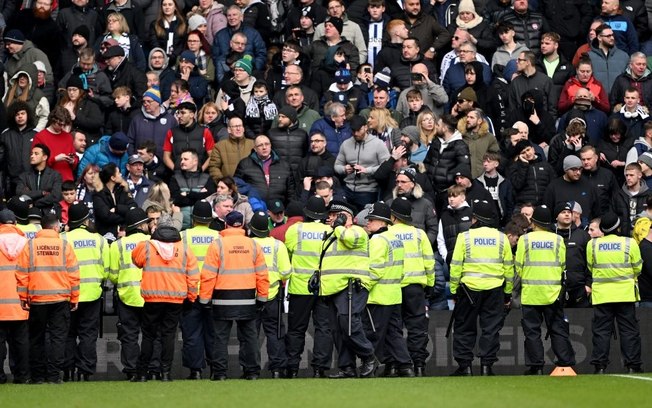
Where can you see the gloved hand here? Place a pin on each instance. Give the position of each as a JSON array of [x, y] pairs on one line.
[[260, 305], [313, 283], [508, 302], [429, 292], [340, 220]]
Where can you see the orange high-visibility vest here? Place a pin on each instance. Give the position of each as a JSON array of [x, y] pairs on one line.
[[47, 270], [12, 241], [166, 280]]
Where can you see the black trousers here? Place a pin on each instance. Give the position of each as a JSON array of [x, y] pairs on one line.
[[576, 298], [15, 333], [414, 318], [268, 319], [129, 322], [198, 336], [389, 345], [357, 344], [85, 327], [488, 308], [249, 353], [628, 331], [553, 315], [301, 308], [163, 318], [48, 321]]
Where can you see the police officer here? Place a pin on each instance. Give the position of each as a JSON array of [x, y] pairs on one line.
[[482, 270], [382, 322], [170, 277], [417, 284], [126, 277], [304, 243], [197, 328], [92, 252], [540, 263], [345, 283], [13, 319], [48, 286], [615, 263], [20, 206], [235, 281], [278, 268]]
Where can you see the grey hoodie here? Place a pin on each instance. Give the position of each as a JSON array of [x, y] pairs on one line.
[[369, 153]]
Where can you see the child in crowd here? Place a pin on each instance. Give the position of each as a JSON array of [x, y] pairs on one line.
[[69, 194]]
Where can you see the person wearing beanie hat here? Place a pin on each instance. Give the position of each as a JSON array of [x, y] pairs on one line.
[[76, 82], [14, 37], [247, 291], [343, 26], [305, 242], [345, 34], [386, 257], [490, 291], [289, 112], [573, 184], [279, 268], [614, 262], [467, 94], [541, 257], [92, 253], [154, 94], [195, 21], [196, 323], [294, 214], [336, 22], [411, 139], [83, 31], [419, 247], [246, 64]]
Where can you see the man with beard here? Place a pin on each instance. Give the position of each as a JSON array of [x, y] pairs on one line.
[[381, 100], [423, 26], [310, 166], [391, 51], [572, 184], [189, 184], [624, 32], [553, 64], [77, 15], [631, 200], [122, 73], [475, 133], [401, 68], [79, 40], [608, 60], [434, 96], [293, 76], [99, 85], [37, 25]]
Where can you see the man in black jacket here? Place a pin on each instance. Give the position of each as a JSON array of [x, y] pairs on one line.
[[630, 201], [189, 184], [264, 170], [122, 73], [578, 278], [41, 183], [15, 146], [601, 179], [290, 142], [112, 203]]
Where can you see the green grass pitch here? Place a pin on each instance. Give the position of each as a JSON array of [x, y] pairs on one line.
[[501, 391]]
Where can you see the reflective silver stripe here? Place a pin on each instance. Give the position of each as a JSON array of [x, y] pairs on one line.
[[481, 275], [21, 289], [90, 280], [414, 255], [543, 263], [613, 279], [455, 279], [9, 301], [456, 262], [32, 256], [51, 292], [302, 271], [234, 302], [210, 268], [128, 283], [345, 272], [8, 268], [389, 281], [467, 242], [163, 293], [485, 260], [244, 271], [612, 265], [52, 268], [347, 252], [414, 273], [627, 241], [76, 287], [261, 298], [540, 282], [306, 253], [273, 284]]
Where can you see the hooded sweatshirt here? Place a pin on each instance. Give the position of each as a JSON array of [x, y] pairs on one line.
[[12, 242]]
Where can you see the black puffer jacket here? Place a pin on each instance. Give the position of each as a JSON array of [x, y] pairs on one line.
[[454, 221], [281, 184], [439, 166], [34, 183], [576, 239], [291, 144], [530, 180], [89, 119], [423, 213], [15, 148], [528, 28]]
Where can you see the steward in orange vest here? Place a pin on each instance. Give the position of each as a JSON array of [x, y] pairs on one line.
[[48, 286], [13, 319], [169, 282], [235, 281]]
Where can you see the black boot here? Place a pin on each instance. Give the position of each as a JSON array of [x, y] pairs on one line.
[[599, 370], [368, 367], [390, 371], [419, 371], [534, 370], [83, 376], [347, 372], [462, 372], [165, 376], [194, 375], [487, 371], [68, 375], [277, 374], [634, 369], [139, 378], [406, 372], [292, 373]]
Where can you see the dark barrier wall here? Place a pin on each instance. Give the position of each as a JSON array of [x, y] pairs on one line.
[[511, 360]]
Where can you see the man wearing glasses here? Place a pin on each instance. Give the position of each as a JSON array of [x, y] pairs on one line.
[[608, 60], [530, 78]]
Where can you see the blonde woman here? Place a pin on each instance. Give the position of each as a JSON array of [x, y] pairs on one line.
[[382, 125], [426, 124], [118, 29], [159, 194]]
